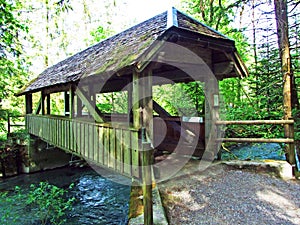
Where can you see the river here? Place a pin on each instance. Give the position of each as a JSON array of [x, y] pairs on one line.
[[98, 200], [255, 151]]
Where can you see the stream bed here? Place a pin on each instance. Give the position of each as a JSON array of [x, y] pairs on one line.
[[98, 200], [255, 151]]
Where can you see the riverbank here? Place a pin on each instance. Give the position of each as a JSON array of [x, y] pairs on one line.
[[224, 194]]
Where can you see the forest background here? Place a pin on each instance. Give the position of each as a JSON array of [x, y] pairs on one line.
[[35, 34]]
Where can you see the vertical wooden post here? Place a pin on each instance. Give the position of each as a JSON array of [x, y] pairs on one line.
[[211, 115], [28, 103], [136, 100], [92, 96], [78, 106], [129, 106], [147, 183], [145, 90], [43, 102], [48, 104], [71, 102], [67, 104], [147, 104], [142, 110]]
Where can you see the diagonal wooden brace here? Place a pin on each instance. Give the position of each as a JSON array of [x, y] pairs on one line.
[[92, 108]]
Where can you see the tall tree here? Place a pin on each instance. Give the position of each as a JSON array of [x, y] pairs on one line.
[[11, 63], [286, 68]]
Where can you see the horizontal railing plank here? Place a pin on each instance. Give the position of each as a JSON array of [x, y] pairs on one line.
[[253, 122], [257, 140]]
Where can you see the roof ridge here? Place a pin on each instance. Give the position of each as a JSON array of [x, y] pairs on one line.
[[197, 21], [172, 17]]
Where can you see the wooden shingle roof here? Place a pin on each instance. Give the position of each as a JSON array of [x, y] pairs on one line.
[[119, 51]]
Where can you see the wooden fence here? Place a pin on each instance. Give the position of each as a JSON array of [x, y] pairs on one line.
[[289, 139], [114, 147]]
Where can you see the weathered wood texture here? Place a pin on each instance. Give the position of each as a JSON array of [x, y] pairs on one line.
[[281, 14], [289, 138], [147, 154], [253, 122], [28, 102], [116, 148], [257, 140], [169, 135]]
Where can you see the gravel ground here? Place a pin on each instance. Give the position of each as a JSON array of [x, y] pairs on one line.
[[223, 195]]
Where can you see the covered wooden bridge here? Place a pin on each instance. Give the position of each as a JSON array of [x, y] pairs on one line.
[[168, 48]]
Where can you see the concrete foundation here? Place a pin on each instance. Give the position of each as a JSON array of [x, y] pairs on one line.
[[42, 156]]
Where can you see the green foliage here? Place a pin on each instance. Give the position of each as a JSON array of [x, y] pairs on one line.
[[296, 116], [10, 29], [180, 99], [219, 14], [48, 203], [246, 112], [12, 67], [114, 102], [8, 202], [213, 13], [195, 92], [99, 34]]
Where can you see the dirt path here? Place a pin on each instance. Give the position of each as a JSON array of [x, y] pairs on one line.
[[223, 195]]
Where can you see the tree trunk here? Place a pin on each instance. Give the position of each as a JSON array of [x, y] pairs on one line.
[[284, 51]]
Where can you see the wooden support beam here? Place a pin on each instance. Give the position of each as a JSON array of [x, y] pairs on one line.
[[147, 153], [254, 122], [160, 110], [78, 106], [92, 108], [28, 103], [67, 103], [38, 107], [48, 107], [71, 102], [129, 106], [257, 140], [211, 90], [223, 68], [147, 104], [136, 110], [57, 88], [43, 102]]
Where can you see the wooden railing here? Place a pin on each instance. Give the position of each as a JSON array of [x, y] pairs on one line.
[[289, 139], [112, 146]]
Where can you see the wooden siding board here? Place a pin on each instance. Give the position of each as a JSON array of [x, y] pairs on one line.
[[81, 140], [105, 146], [78, 137], [113, 147], [95, 143], [91, 142], [112, 153], [101, 146], [135, 153], [119, 150], [127, 153]]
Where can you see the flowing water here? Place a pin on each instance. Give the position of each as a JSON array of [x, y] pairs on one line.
[[98, 200], [256, 151]]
